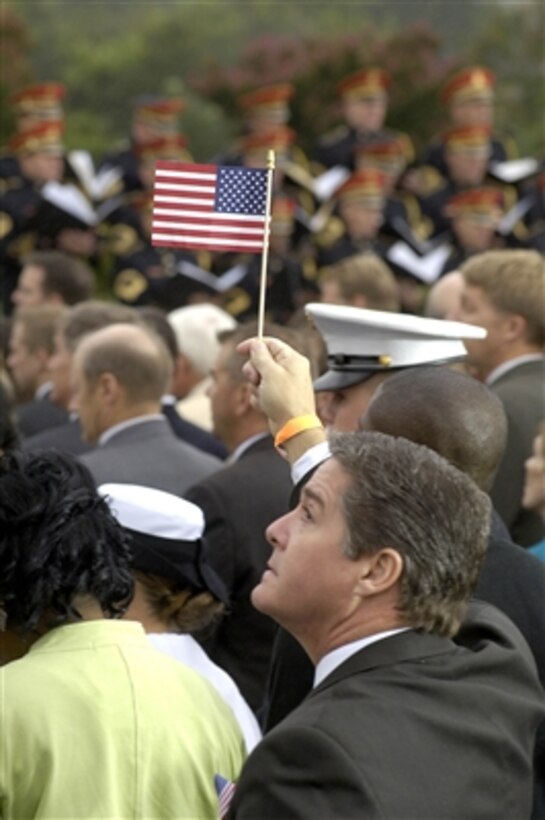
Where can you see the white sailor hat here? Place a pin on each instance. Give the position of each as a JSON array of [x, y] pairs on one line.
[[167, 535], [363, 342]]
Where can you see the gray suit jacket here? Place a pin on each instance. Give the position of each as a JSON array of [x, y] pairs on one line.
[[414, 726], [522, 393], [149, 454]]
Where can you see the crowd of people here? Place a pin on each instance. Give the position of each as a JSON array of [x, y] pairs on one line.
[[296, 574]]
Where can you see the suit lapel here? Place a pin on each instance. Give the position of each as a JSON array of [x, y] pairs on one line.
[[259, 446], [404, 646]]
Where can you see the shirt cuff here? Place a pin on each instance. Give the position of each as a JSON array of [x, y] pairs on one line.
[[307, 462]]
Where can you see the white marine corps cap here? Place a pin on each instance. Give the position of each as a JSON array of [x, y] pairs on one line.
[[167, 535], [363, 342]]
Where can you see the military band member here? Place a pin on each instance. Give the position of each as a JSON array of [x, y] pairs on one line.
[[467, 153], [153, 118], [475, 216], [39, 155], [468, 97], [364, 98]]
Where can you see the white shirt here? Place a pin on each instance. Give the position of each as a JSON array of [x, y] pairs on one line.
[[185, 649], [337, 656], [305, 463], [505, 367], [124, 425], [43, 390]]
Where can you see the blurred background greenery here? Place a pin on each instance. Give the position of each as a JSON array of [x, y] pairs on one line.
[[107, 52]]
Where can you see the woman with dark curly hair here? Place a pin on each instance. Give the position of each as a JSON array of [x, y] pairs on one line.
[[95, 722], [176, 590]]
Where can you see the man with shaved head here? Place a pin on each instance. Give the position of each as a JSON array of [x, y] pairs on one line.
[[447, 411], [119, 375]]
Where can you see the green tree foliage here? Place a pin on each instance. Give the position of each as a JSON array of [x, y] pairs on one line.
[[207, 51], [513, 45], [15, 43], [315, 65]]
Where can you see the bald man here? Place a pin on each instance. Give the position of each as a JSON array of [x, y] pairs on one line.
[[119, 375], [443, 299]]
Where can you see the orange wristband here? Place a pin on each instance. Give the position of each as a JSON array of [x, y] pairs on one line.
[[296, 425]]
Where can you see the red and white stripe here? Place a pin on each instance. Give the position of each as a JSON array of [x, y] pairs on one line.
[[184, 215]]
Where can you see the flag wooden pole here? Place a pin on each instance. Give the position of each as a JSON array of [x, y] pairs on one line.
[[265, 255]]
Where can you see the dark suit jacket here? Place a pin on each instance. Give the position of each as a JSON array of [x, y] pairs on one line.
[[239, 502], [39, 414], [149, 454], [522, 395], [413, 727], [192, 434], [510, 578]]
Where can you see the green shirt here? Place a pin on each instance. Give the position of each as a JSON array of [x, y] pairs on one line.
[[96, 723]]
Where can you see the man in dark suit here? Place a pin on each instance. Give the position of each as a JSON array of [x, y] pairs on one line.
[[119, 376], [75, 323], [52, 277], [372, 573], [504, 291], [239, 502], [30, 348], [464, 422]]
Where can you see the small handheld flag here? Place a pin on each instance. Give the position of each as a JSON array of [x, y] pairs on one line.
[[265, 256], [215, 208], [211, 207]]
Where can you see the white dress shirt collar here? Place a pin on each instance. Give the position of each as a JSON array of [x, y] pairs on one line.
[[337, 656], [245, 445], [43, 390], [505, 367], [124, 425]]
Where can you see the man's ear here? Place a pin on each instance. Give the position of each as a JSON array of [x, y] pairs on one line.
[[54, 298], [379, 572], [359, 300], [515, 327], [108, 388], [243, 398], [179, 376], [42, 355]]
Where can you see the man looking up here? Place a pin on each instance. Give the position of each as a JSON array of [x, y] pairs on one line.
[[372, 573]]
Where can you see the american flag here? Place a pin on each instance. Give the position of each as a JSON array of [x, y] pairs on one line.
[[212, 207], [225, 789]]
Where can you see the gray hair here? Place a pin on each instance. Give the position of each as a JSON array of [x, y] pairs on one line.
[[406, 497]]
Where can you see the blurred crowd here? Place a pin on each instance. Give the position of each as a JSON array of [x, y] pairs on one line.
[[152, 454], [362, 188]]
